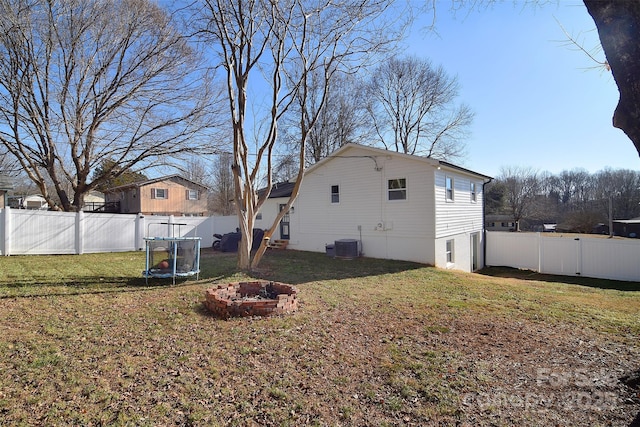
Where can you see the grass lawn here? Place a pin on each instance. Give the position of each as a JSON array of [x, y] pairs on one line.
[[85, 341]]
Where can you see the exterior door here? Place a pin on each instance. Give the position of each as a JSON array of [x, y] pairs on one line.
[[475, 249], [284, 224]]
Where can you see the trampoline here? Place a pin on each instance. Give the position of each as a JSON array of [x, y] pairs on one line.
[[171, 257]]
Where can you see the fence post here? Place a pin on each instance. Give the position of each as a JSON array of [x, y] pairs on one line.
[[578, 256], [79, 233], [139, 237], [170, 227], [540, 250], [6, 223]]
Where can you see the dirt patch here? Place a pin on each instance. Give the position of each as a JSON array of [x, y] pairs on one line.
[[538, 374]]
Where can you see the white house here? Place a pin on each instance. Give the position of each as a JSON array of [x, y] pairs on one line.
[[33, 201], [397, 206]]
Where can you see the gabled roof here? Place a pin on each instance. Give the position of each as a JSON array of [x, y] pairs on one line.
[[279, 189], [153, 181], [377, 152]]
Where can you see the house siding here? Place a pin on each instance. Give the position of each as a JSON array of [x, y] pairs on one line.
[[129, 202], [138, 198], [269, 211], [407, 229], [460, 215], [458, 220], [416, 228]]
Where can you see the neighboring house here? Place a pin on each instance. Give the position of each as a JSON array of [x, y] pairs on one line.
[[34, 202], [6, 185], [397, 206], [93, 201], [499, 223], [627, 227], [549, 228], [168, 195]]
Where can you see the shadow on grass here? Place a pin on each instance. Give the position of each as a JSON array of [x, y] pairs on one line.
[[84, 285], [297, 267], [515, 273], [294, 267], [88, 286]]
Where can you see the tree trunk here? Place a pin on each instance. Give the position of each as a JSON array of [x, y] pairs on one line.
[[257, 257], [246, 221], [618, 24], [244, 252]]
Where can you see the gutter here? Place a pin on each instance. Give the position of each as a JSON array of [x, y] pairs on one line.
[[484, 230]]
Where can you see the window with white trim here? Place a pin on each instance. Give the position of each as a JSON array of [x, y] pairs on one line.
[[335, 194], [472, 190], [192, 195], [450, 251], [397, 189], [159, 193], [448, 187]]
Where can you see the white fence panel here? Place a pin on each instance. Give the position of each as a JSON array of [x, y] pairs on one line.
[[41, 232], [108, 232], [31, 232], [617, 259], [225, 224], [558, 255], [570, 255], [158, 226], [518, 250]]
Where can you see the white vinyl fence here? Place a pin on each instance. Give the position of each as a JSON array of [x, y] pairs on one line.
[[568, 255], [31, 232]]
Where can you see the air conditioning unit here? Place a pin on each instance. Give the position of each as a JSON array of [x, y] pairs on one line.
[[346, 248]]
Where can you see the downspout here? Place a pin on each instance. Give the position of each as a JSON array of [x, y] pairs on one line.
[[484, 229]]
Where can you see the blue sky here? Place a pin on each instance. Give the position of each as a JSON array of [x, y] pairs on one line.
[[538, 102]]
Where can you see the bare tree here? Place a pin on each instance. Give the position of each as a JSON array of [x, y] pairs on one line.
[[222, 192], [8, 166], [413, 109], [82, 81], [282, 45], [197, 170], [343, 118], [617, 193], [575, 199], [520, 190], [286, 168]]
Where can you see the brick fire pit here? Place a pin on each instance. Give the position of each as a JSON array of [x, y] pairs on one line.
[[259, 298]]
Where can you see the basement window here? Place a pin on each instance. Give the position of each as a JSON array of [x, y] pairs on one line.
[[450, 252]]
